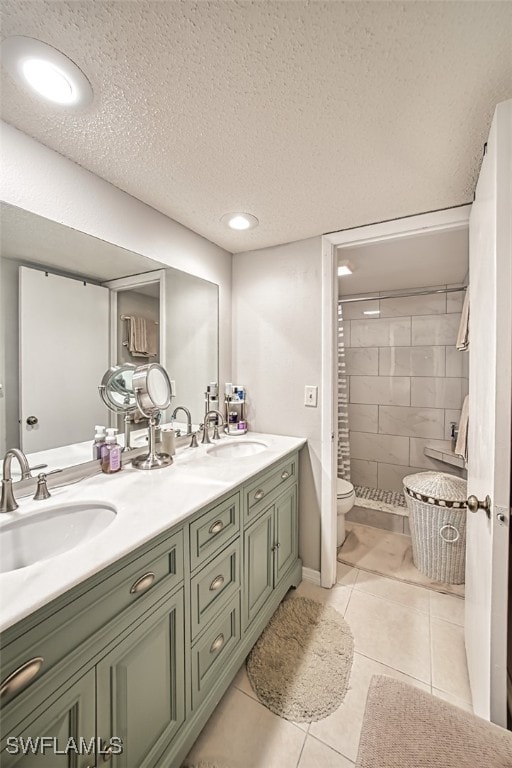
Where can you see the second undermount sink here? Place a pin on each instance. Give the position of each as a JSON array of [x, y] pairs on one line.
[[234, 449], [51, 532]]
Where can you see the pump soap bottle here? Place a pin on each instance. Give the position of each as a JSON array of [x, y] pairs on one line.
[[99, 441], [111, 453]]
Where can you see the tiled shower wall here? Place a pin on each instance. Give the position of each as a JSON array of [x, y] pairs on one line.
[[406, 384]]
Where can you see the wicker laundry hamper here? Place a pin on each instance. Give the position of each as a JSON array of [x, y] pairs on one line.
[[437, 516]]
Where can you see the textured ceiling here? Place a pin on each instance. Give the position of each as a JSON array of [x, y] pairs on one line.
[[313, 116]]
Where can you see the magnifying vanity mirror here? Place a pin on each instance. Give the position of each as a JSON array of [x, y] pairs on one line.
[[117, 392], [153, 395]]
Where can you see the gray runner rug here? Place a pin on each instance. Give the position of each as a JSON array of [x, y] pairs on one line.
[[300, 666]]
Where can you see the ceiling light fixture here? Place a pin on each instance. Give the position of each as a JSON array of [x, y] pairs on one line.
[[371, 312], [47, 71], [239, 221], [343, 270]]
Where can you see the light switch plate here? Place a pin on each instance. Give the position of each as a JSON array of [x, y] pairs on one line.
[[311, 396]]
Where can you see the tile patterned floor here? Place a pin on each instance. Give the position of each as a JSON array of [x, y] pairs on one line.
[[402, 630]]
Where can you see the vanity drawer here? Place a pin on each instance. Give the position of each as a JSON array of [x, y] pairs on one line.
[[213, 650], [214, 529], [155, 572], [212, 586], [258, 494]]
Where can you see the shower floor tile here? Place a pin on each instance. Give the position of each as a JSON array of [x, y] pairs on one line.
[[388, 554]]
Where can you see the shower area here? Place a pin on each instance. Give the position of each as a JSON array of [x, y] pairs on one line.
[[401, 379]]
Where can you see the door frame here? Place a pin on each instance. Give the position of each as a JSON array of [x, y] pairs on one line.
[[127, 284], [436, 221]]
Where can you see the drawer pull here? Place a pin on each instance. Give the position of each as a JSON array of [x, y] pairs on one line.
[[259, 495], [216, 527], [217, 643], [285, 475], [142, 584], [217, 583], [21, 677]]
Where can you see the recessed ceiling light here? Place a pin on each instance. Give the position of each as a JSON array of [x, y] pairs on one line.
[[240, 221], [46, 71], [371, 312]]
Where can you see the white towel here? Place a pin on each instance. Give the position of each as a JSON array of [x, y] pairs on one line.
[[463, 334], [461, 446], [143, 339]]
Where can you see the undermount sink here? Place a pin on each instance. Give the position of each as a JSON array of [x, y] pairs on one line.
[[236, 450], [51, 532]]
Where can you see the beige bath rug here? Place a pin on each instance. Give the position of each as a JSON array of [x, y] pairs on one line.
[[300, 666]]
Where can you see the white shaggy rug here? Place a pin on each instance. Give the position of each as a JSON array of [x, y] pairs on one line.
[[300, 666]]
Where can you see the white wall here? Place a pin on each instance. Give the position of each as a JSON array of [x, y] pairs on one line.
[[42, 181], [276, 352]]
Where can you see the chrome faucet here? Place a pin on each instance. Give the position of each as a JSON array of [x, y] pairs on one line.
[[206, 426], [188, 414], [7, 501]]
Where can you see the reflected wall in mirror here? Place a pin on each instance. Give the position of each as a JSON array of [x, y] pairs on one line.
[[187, 311]]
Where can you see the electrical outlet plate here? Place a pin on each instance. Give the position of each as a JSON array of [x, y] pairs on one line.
[[311, 396]]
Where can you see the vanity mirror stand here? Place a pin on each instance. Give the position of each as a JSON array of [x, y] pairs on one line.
[[116, 391]]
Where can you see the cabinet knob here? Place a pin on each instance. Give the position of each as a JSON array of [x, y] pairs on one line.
[[217, 643], [142, 584], [20, 678], [259, 495], [285, 475], [216, 527], [217, 583]]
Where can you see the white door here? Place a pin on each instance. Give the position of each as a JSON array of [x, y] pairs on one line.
[[489, 455], [64, 352]]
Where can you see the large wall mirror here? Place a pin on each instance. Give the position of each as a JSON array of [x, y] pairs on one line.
[[71, 306]]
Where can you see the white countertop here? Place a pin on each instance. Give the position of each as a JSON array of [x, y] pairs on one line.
[[147, 503]]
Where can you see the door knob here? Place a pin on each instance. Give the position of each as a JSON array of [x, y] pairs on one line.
[[32, 421], [475, 504]]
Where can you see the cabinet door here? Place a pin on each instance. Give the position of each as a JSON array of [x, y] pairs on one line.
[[258, 564], [141, 687], [285, 531], [60, 737]]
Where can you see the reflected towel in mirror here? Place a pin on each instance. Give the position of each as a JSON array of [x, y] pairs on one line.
[[142, 337]]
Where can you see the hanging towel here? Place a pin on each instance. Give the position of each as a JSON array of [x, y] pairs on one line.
[[151, 338], [143, 337], [137, 336], [463, 334], [461, 446]]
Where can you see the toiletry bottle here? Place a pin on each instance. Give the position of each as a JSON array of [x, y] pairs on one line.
[[99, 441], [111, 455]]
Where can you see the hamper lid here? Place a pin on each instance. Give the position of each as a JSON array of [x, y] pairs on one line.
[[438, 486]]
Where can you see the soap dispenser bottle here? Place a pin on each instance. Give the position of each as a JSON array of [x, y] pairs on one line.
[[99, 441], [111, 453]]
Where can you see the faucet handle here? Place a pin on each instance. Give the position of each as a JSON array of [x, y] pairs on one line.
[[193, 442], [42, 491]]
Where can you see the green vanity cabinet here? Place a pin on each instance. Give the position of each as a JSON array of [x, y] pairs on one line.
[[143, 651], [270, 549], [67, 718], [141, 686]]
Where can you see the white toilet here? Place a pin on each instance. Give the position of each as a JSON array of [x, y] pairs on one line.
[[345, 499]]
